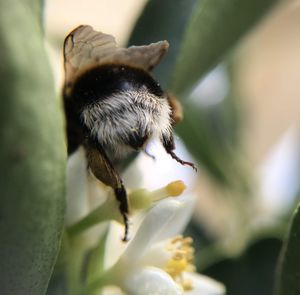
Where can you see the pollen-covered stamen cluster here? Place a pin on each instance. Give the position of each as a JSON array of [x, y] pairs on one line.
[[182, 256]]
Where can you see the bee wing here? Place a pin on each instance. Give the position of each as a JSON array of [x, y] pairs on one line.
[[146, 57], [85, 47]]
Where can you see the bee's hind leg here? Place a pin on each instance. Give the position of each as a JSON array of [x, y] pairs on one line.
[[121, 196], [104, 171]]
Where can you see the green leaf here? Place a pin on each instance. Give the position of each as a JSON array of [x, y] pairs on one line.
[[96, 258], [289, 265], [215, 26], [207, 139], [171, 17], [32, 153]]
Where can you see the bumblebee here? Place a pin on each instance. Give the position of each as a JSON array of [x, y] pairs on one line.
[[113, 105]]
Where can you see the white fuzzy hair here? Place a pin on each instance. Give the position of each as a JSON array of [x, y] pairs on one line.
[[113, 120]]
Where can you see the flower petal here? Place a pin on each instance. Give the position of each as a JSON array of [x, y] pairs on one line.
[[77, 187], [180, 219], [151, 227], [114, 237], [150, 281], [204, 285], [110, 290]]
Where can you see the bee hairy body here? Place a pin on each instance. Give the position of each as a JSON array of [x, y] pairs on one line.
[[119, 106]]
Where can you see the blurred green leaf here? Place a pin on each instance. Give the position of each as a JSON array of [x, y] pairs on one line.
[[191, 28], [200, 143], [215, 26], [207, 137], [289, 265], [32, 153], [251, 273], [96, 258], [57, 285], [171, 17], [212, 132]]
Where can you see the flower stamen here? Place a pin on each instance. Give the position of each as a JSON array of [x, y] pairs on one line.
[[182, 255], [187, 285]]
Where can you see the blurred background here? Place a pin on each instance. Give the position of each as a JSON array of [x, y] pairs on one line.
[[241, 127]]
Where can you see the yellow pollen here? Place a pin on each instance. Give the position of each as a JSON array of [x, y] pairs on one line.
[[187, 285], [178, 255], [181, 260], [190, 256], [176, 239], [187, 241], [176, 267], [175, 188]]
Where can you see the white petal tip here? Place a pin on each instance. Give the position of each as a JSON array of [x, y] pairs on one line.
[[204, 285], [151, 280]]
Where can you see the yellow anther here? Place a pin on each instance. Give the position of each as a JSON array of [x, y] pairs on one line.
[[176, 239], [176, 267], [178, 255], [182, 255], [189, 256], [187, 241], [187, 285], [189, 249]]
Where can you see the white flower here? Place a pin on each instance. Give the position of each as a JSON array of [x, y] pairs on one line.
[[157, 261]]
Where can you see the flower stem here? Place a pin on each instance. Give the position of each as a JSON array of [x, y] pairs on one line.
[[107, 211], [109, 277], [140, 199]]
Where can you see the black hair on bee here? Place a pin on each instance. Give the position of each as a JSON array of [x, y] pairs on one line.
[[113, 105]]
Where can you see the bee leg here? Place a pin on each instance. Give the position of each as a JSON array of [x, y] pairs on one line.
[[104, 171], [121, 196], [169, 145]]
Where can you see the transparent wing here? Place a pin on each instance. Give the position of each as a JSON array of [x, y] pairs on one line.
[[85, 47], [146, 57]]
